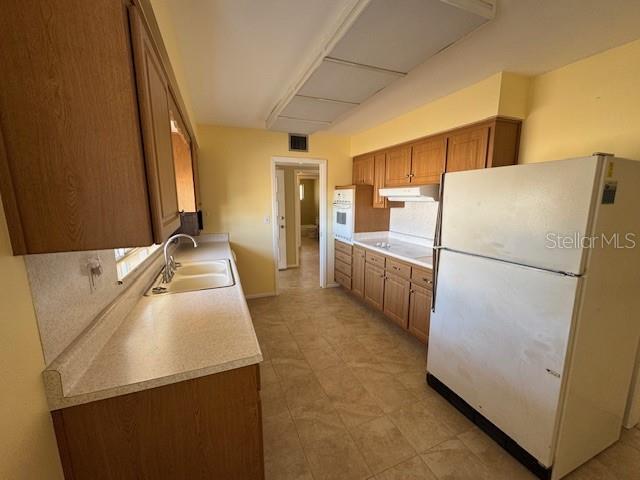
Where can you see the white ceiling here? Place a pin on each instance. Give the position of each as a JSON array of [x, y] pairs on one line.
[[241, 56]]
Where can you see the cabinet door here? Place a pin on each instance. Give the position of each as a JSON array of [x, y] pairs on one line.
[[398, 167], [379, 162], [153, 100], [396, 299], [419, 312], [467, 150], [363, 170], [427, 160], [374, 285], [357, 271], [72, 172]]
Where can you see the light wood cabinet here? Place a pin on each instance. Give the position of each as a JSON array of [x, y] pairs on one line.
[[374, 285], [419, 312], [85, 146], [363, 170], [396, 299], [207, 427], [398, 167], [379, 162], [428, 160], [342, 263], [468, 149], [153, 98], [357, 271]]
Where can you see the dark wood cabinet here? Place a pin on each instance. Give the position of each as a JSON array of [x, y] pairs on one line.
[[374, 285], [85, 145], [153, 98], [419, 312], [357, 272], [204, 428], [363, 170], [396, 299]]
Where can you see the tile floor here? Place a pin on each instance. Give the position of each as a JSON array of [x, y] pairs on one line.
[[344, 397]]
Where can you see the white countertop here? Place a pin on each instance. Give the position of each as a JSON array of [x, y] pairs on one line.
[[415, 250], [170, 338]]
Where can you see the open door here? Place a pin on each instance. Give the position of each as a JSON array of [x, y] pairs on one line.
[[281, 220]]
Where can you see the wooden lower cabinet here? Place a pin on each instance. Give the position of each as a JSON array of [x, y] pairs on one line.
[[419, 312], [396, 299], [374, 285], [357, 272], [204, 428]]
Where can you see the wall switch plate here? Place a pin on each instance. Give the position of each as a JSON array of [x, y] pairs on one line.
[[267, 220]]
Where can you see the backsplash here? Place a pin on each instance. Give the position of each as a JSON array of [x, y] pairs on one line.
[[64, 301], [416, 218]]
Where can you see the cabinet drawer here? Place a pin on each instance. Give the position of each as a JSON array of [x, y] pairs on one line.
[[398, 268], [343, 257], [343, 268], [342, 247], [374, 259], [343, 279], [422, 277]]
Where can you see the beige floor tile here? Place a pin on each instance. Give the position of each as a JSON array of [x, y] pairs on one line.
[[422, 429], [500, 464], [592, 470], [631, 437], [289, 369], [267, 373], [321, 359], [357, 406], [317, 420], [284, 458], [337, 381], [412, 469], [273, 400], [336, 458], [381, 444], [390, 394], [452, 460], [303, 391], [621, 459], [448, 415]]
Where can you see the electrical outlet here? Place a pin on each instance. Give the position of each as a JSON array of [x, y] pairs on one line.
[[267, 220]]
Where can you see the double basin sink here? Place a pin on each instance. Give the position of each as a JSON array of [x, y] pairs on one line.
[[194, 276]]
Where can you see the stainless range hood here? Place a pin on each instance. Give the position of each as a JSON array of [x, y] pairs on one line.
[[421, 193]]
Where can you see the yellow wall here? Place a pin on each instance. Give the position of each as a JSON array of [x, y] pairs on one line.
[[27, 443], [235, 168], [587, 106]]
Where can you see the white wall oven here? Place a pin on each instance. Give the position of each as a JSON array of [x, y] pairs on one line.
[[343, 214]]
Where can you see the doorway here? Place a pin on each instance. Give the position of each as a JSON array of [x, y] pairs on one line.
[[299, 206]]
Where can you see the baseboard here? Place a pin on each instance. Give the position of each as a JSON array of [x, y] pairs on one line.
[[333, 285], [260, 295]]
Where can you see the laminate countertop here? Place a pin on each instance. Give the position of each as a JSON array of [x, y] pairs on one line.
[[418, 252], [169, 338]]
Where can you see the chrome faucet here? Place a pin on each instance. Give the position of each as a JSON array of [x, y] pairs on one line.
[[170, 264]]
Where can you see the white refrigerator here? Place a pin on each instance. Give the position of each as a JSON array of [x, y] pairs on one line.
[[535, 324]]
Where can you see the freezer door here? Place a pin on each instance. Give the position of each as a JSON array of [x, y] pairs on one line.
[[517, 213], [498, 338]]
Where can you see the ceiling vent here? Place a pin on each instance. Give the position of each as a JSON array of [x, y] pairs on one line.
[[374, 43], [298, 143]]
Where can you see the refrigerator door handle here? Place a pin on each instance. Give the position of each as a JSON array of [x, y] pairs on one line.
[[437, 244]]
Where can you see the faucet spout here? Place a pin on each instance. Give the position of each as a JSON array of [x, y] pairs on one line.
[[169, 264]]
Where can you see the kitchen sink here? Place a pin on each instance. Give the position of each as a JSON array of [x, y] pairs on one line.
[[194, 276]]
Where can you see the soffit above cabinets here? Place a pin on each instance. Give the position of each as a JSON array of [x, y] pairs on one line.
[[383, 40]]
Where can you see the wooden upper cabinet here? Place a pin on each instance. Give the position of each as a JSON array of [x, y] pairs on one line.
[[153, 98], [379, 162], [363, 170], [468, 149], [72, 172], [398, 167], [428, 160]]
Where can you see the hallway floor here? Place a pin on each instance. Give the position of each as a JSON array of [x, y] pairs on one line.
[[344, 397]]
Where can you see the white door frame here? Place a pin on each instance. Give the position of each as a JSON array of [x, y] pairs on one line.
[[322, 166], [281, 212]]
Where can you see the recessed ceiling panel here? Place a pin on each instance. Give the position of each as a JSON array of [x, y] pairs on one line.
[[310, 108], [399, 35], [344, 82], [294, 125]]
